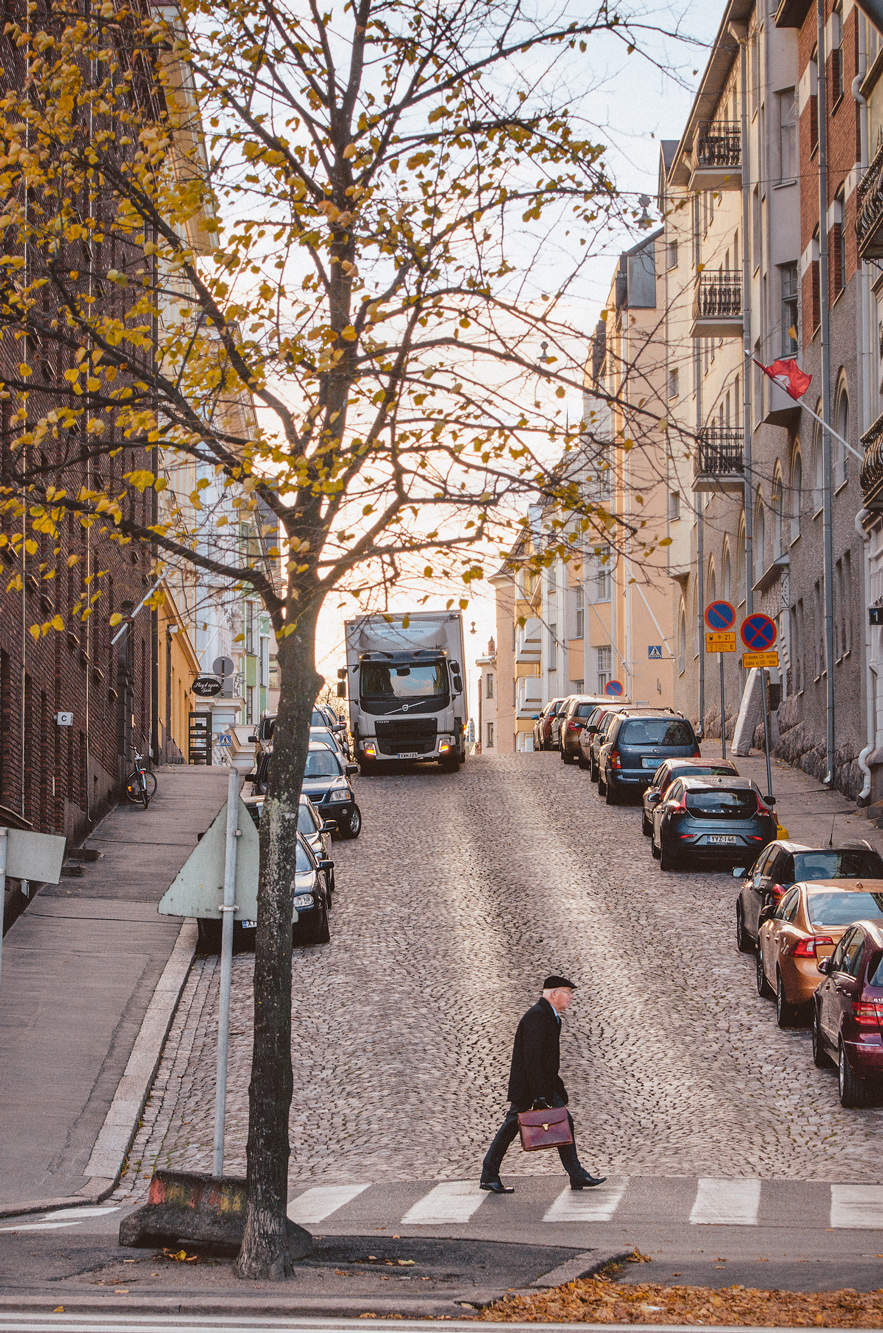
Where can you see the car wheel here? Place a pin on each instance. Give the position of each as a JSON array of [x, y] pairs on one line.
[[602, 785], [743, 939], [764, 989], [654, 850], [316, 933], [566, 756], [208, 936], [581, 760], [786, 1012], [593, 770], [666, 860], [852, 1089], [819, 1055], [611, 795], [354, 828], [646, 826]]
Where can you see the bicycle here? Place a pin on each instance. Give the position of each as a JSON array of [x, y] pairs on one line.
[[141, 783]]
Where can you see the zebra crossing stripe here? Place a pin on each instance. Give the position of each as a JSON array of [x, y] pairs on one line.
[[451, 1202], [857, 1206], [593, 1205], [319, 1202], [732, 1203]]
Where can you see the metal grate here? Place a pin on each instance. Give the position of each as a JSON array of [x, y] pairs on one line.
[[719, 144]]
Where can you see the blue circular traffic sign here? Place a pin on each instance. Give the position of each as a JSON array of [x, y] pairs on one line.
[[613, 687], [758, 632], [720, 615]]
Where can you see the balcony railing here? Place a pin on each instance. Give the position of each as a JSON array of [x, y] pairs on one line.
[[871, 475], [719, 463], [719, 144], [717, 304], [869, 209]]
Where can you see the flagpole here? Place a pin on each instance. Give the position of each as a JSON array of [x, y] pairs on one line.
[[830, 429]]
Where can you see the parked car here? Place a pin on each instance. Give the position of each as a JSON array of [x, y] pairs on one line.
[[314, 828], [588, 736], [327, 783], [801, 930], [309, 907], [325, 736], [785, 862], [670, 769], [710, 819], [542, 724], [556, 723], [579, 706], [847, 1012], [325, 717], [635, 746]]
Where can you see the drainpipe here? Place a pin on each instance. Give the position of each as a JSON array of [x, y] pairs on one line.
[[825, 345], [748, 491], [864, 796]]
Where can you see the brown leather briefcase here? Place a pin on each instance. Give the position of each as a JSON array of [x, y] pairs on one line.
[[548, 1128]]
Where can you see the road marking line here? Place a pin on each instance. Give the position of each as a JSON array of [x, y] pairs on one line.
[[597, 1204], [452, 1201], [38, 1226], [857, 1206], [315, 1204], [97, 1211], [731, 1203]]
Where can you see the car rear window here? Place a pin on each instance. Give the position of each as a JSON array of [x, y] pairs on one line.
[[838, 863], [841, 909], [718, 802], [656, 731]]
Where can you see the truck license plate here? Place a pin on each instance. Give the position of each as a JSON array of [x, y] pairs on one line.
[[408, 754]]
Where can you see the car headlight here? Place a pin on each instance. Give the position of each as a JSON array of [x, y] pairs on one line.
[[340, 791], [302, 901]]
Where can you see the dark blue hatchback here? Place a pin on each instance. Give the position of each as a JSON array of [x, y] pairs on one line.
[[636, 746]]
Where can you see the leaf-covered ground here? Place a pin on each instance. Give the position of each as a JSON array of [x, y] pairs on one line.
[[602, 1300]]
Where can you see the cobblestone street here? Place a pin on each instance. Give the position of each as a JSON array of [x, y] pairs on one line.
[[462, 892]]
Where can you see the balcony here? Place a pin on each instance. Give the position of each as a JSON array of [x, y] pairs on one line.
[[717, 156], [869, 209], [529, 642], [718, 464], [528, 696], [717, 305], [871, 474]]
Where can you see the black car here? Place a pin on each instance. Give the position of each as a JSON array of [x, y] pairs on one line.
[[314, 828], [666, 773], [786, 862], [309, 907], [636, 745], [576, 715], [711, 819], [327, 783]]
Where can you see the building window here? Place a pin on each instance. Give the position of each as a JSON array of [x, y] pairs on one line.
[[578, 687], [682, 643], [553, 647], [489, 733], [489, 685], [756, 227], [580, 612], [603, 662], [815, 295], [814, 102], [836, 57], [840, 465], [759, 536], [602, 582], [796, 499], [789, 309], [786, 134], [674, 506], [777, 504], [837, 246], [726, 576], [673, 382], [672, 254]]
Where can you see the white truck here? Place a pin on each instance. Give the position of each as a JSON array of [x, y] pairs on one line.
[[405, 682]]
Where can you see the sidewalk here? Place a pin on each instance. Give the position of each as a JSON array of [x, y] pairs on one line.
[[86, 969]]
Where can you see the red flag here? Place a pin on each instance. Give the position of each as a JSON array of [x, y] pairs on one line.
[[789, 376]]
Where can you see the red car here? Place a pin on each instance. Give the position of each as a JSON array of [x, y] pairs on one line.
[[542, 724], [847, 1011]]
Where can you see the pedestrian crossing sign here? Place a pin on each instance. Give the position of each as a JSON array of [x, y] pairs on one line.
[[654, 652]]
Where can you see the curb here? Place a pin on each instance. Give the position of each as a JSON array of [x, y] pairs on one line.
[[115, 1138]]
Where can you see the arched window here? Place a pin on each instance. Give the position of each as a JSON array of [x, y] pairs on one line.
[[778, 508], [759, 536], [795, 500], [740, 562], [818, 464], [839, 452], [710, 582], [727, 575], [682, 640]]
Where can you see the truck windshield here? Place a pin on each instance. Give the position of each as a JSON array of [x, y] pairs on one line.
[[405, 682]]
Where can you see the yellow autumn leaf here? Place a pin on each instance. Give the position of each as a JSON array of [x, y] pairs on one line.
[[57, 623], [116, 618], [348, 334], [34, 631]]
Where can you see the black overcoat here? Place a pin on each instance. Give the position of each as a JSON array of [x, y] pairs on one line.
[[535, 1059]]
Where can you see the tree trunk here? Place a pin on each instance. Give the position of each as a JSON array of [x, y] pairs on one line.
[[265, 1253]]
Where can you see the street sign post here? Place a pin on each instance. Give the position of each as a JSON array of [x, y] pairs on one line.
[[613, 687], [720, 617], [26, 855], [229, 854]]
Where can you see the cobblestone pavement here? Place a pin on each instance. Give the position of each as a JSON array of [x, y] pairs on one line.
[[461, 893]]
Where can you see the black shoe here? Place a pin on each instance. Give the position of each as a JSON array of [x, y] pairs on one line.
[[496, 1186], [585, 1181]]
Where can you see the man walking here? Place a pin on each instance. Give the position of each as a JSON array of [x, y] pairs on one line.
[[534, 1078]]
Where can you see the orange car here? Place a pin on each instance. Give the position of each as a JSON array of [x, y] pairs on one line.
[[804, 927]]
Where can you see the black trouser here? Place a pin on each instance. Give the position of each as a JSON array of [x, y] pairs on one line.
[[490, 1167]]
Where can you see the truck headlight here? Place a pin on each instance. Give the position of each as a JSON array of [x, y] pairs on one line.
[[369, 749]]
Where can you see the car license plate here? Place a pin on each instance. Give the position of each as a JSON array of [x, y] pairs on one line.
[[408, 754], [723, 839], [249, 925], [651, 761]]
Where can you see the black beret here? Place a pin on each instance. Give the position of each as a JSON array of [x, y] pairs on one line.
[[553, 982]]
